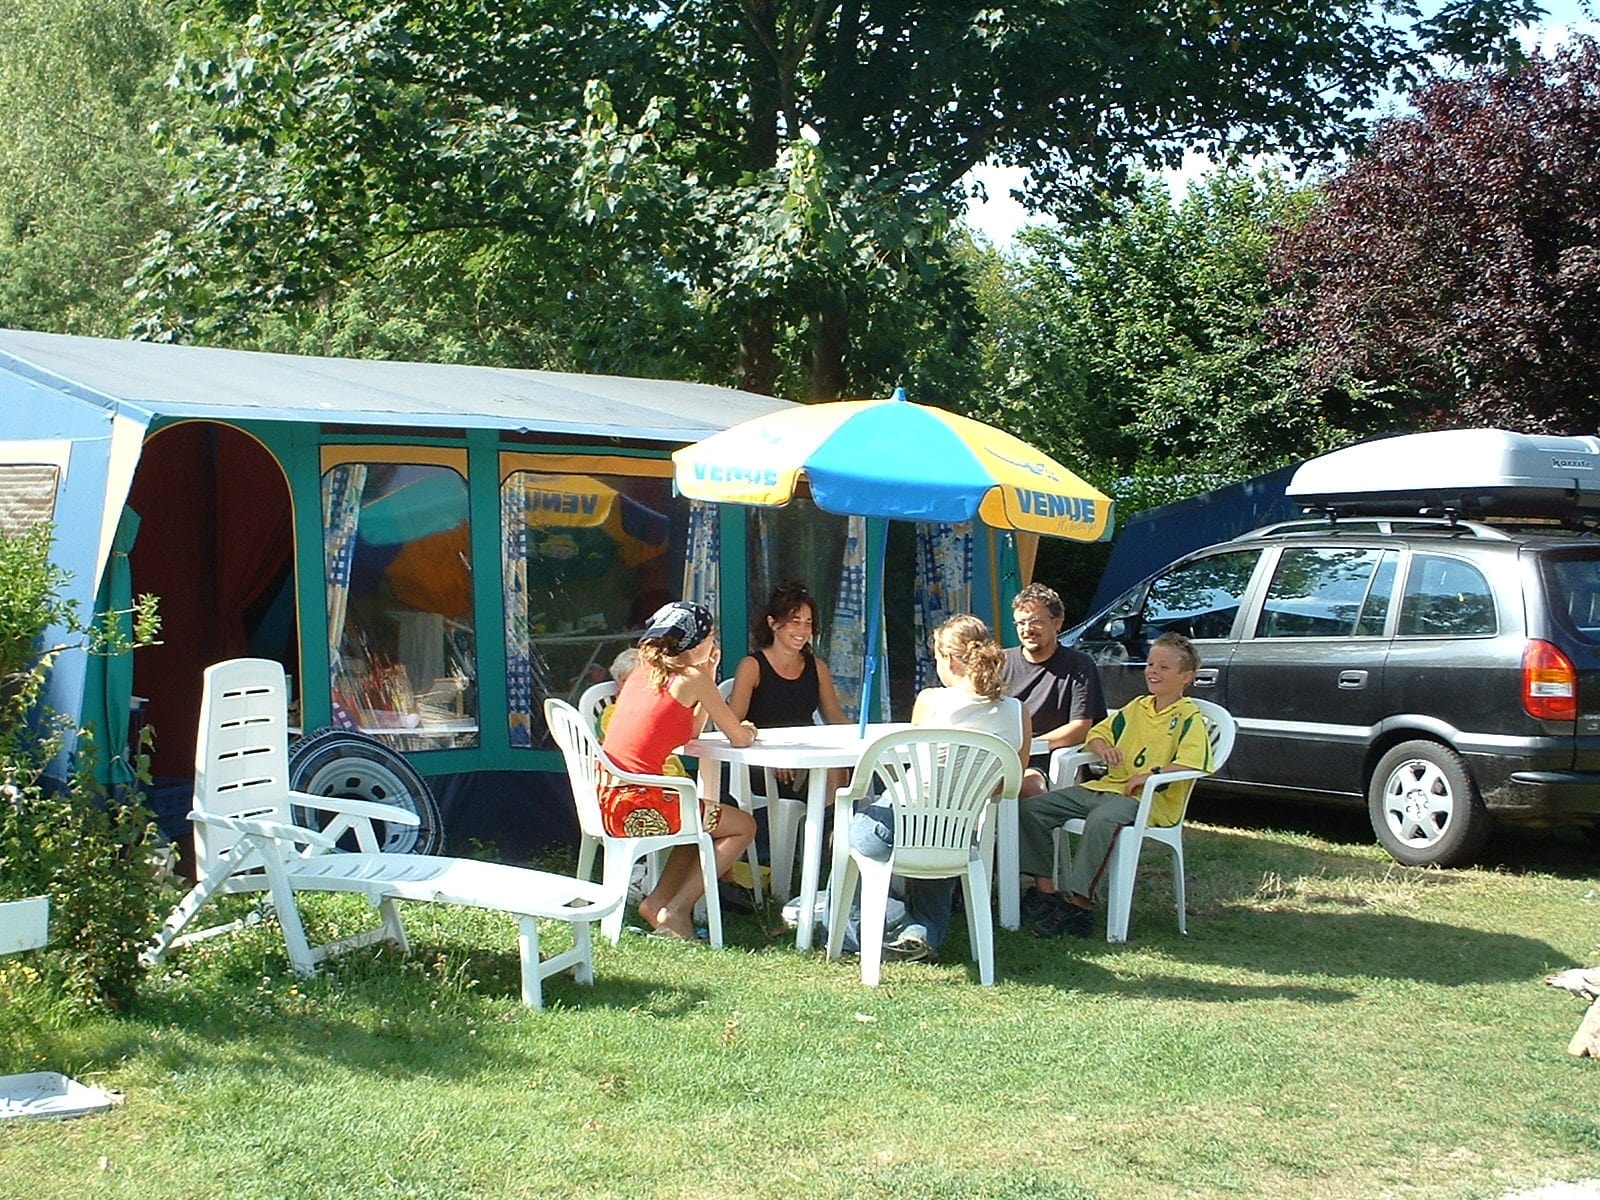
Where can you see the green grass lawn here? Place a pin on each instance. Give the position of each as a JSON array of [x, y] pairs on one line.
[[1333, 1026]]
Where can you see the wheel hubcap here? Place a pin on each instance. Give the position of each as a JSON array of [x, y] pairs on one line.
[[368, 781], [1418, 803]]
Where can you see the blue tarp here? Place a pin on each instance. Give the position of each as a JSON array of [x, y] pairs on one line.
[[1150, 540], [37, 413]]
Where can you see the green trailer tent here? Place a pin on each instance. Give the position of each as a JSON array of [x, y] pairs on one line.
[[428, 549]]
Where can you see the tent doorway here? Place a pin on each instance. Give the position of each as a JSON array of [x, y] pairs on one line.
[[215, 544]]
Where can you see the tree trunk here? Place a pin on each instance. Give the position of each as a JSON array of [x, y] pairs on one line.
[[766, 93], [826, 373], [758, 365]]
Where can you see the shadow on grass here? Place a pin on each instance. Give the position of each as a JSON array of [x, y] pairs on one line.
[[1311, 911], [234, 1003], [387, 1032], [1333, 823], [1310, 951], [1567, 853], [1366, 945]]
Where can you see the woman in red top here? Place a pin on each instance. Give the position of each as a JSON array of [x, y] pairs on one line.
[[662, 704]]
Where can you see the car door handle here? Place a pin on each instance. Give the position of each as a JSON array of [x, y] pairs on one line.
[[1352, 680], [1205, 677]]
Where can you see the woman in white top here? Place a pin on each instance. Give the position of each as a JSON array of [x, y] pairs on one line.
[[971, 666]]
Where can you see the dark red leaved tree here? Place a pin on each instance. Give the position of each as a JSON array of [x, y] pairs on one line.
[[1452, 276]]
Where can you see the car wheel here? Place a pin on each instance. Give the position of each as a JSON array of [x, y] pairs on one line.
[[353, 766], [1425, 807]]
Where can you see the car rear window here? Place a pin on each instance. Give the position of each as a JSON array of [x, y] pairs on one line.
[[1572, 583], [1445, 597]]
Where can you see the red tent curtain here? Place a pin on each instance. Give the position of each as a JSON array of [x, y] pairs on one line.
[[215, 532], [254, 531]]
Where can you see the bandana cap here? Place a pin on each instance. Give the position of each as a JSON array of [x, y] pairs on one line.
[[687, 623]]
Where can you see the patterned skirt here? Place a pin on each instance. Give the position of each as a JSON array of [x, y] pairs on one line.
[[638, 810]]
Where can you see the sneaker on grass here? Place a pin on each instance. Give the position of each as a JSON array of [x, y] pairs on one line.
[[910, 946], [1066, 918], [1036, 903]]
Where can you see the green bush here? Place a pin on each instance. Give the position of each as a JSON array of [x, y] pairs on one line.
[[66, 838]]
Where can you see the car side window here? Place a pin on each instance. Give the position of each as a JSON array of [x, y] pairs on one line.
[[1323, 591], [1200, 598], [1379, 596], [1445, 597]]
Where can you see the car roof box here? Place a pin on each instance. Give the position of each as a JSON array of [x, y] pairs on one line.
[[1472, 472]]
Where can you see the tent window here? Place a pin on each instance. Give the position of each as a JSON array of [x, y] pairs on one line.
[[586, 558], [398, 564], [27, 496]]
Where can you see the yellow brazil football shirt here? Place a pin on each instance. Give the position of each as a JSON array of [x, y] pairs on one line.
[[1148, 738]]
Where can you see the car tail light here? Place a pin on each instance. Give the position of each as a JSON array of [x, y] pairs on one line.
[[1549, 684]]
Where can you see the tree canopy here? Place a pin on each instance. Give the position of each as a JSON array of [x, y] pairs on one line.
[[1136, 346], [81, 186], [1452, 276], [782, 168]]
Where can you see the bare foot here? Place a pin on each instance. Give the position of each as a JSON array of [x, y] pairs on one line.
[[671, 934], [664, 921]]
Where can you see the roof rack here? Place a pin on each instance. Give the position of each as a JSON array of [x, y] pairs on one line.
[[1355, 526], [1450, 525]]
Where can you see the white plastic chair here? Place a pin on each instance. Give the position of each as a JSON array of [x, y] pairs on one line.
[[595, 700], [585, 762], [593, 704], [1124, 867], [997, 841], [940, 782], [784, 814], [246, 841]]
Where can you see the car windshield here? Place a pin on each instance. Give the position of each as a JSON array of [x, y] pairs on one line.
[[1572, 581]]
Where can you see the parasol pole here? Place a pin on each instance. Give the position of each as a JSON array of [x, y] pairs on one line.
[[869, 668], [878, 556]]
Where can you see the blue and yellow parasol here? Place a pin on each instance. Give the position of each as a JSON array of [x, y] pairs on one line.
[[884, 459]]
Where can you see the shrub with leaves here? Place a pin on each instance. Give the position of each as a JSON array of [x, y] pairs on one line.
[[67, 838]]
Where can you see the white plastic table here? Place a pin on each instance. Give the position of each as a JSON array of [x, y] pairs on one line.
[[812, 748]]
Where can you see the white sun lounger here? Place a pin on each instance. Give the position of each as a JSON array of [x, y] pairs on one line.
[[245, 841]]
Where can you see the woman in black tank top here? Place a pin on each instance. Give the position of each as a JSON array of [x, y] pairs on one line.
[[783, 678], [783, 683]]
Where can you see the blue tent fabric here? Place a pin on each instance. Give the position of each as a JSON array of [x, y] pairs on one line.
[[108, 678], [148, 380], [1151, 539], [943, 587]]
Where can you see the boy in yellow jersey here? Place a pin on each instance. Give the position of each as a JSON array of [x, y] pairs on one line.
[[1162, 731]]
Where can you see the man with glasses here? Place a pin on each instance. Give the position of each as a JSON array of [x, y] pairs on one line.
[[1058, 686]]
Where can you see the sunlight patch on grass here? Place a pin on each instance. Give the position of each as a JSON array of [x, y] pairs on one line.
[[1333, 1026]]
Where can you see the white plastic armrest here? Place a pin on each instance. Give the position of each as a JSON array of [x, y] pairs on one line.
[[370, 809], [1148, 794], [1065, 765], [277, 831], [688, 795]]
